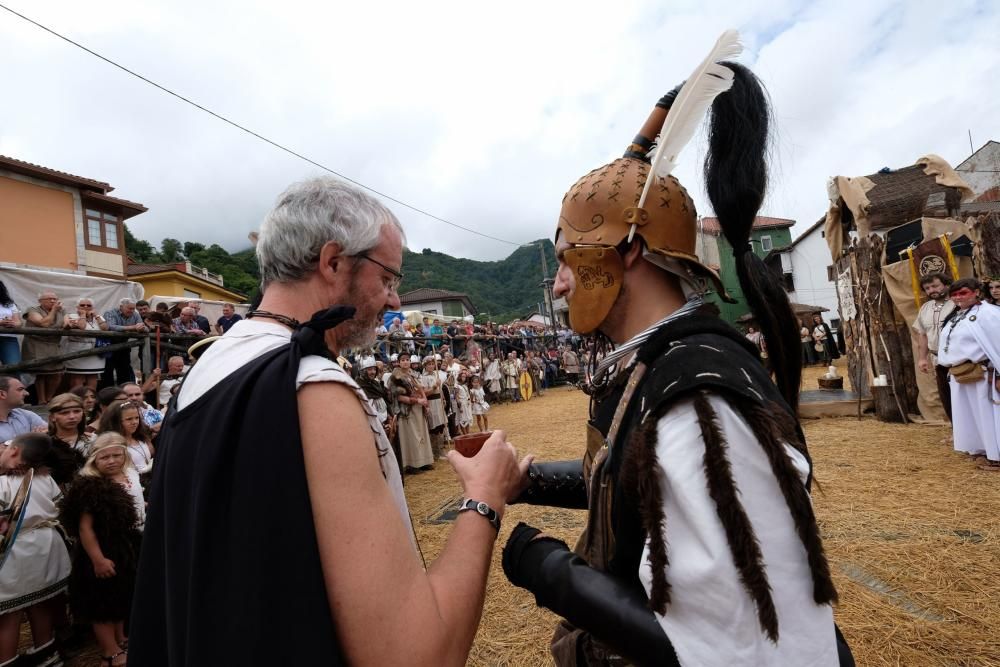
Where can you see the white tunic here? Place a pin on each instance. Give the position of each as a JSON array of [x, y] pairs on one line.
[[711, 619], [975, 418], [464, 413], [492, 376], [38, 566], [250, 339], [479, 404]]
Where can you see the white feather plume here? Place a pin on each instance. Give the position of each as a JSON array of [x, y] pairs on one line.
[[707, 81]]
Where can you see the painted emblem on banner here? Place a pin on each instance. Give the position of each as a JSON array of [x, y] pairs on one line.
[[845, 291], [933, 264]]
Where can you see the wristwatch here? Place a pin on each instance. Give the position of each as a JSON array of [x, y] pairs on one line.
[[478, 506]]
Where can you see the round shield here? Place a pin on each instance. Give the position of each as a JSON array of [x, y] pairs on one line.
[[525, 385], [12, 517]]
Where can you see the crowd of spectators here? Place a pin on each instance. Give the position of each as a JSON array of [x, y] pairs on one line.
[[432, 383], [90, 460], [92, 368]]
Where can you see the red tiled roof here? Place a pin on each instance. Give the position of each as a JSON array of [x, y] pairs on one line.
[[29, 169], [711, 225], [128, 208]]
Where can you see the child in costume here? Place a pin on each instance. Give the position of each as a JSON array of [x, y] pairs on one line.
[[480, 408], [463, 413], [34, 577], [70, 440], [125, 418], [99, 512]]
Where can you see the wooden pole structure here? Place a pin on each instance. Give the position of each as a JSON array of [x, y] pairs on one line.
[[34, 363], [157, 363], [878, 340]]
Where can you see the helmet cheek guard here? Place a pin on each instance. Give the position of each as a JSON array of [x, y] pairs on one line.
[[597, 273]]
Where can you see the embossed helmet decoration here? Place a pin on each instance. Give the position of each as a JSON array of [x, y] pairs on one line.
[[631, 197]]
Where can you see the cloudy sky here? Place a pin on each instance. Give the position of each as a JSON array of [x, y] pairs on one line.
[[480, 113]]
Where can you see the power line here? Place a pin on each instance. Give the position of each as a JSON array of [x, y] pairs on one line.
[[251, 132]]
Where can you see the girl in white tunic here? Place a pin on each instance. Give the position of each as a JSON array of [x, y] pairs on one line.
[[37, 570], [463, 416], [480, 408]]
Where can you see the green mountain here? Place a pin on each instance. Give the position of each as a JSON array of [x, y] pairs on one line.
[[501, 291]]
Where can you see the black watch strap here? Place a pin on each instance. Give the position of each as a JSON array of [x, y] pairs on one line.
[[479, 507]]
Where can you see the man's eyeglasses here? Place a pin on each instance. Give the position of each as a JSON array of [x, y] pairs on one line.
[[393, 284]]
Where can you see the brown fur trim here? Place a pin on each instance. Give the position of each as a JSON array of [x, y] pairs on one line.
[[771, 426], [739, 532], [639, 473]]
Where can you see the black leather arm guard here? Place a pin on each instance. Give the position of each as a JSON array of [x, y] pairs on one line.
[[556, 484], [613, 612]]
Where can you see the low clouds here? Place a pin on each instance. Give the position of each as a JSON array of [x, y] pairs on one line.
[[483, 115]]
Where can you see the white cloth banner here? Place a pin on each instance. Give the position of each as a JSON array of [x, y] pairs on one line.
[[24, 286]]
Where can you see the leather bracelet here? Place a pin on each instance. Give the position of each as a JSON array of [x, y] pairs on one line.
[[482, 509]]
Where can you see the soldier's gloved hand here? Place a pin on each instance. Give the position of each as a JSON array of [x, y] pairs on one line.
[[526, 549]]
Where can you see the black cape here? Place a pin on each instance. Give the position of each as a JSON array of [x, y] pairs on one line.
[[229, 572]]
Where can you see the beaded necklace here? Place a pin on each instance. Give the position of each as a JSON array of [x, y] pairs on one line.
[[955, 321]]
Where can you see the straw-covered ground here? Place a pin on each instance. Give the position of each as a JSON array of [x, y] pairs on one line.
[[911, 529], [912, 532]]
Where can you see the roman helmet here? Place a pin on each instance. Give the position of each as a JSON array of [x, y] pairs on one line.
[[618, 202]]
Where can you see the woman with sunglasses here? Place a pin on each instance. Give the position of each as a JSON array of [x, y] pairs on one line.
[[969, 347], [84, 371]]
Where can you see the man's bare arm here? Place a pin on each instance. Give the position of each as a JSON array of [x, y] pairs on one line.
[[386, 608], [923, 362]]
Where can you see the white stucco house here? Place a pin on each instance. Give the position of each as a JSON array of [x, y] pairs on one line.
[[438, 302], [981, 171], [805, 269]]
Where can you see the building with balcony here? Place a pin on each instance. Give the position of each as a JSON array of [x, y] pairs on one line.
[[182, 280], [54, 220]]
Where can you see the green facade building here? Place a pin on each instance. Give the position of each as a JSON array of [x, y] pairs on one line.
[[768, 234]]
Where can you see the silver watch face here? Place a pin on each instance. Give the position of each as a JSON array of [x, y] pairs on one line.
[[483, 508]]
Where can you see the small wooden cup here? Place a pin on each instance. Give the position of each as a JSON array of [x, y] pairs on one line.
[[469, 445]]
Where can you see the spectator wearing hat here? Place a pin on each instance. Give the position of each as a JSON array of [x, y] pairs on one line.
[[414, 438], [437, 416]]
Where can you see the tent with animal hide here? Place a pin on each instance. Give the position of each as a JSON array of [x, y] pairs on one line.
[[885, 231]]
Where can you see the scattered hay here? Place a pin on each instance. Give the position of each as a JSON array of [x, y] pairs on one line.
[[911, 529]]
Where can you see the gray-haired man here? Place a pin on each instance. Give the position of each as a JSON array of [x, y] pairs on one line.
[[275, 476], [118, 369]]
